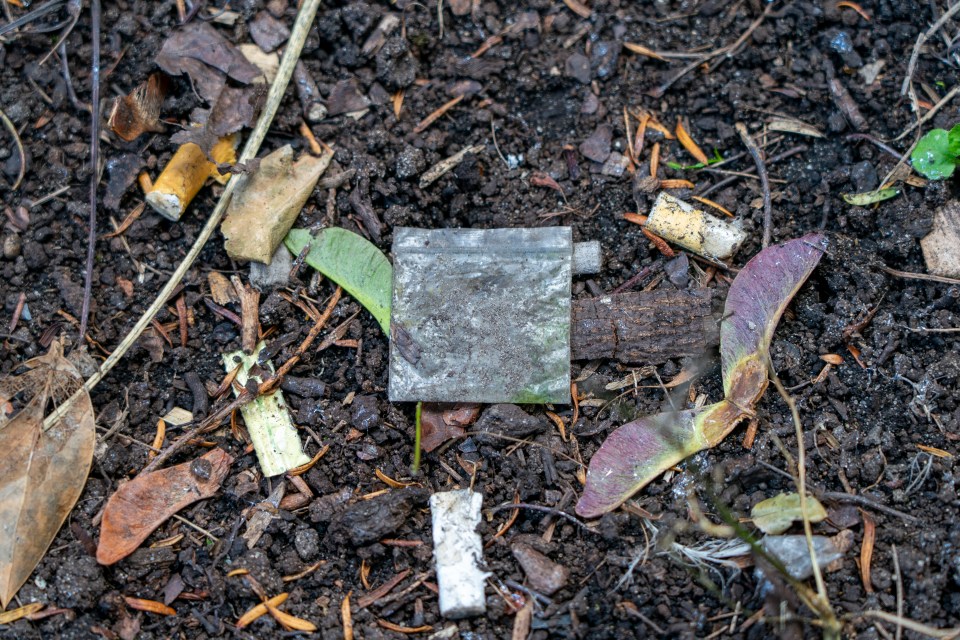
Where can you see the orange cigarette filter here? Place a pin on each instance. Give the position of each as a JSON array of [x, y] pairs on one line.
[[186, 173]]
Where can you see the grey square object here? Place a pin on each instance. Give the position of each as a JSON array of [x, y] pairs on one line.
[[481, 315]]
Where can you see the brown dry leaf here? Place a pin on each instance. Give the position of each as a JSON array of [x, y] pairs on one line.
[[143, 504], [150, 606], [198, 50], [41, 472], [442, 422], [221, 290], [139, 112], [233, 109]]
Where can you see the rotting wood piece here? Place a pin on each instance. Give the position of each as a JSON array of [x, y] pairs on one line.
[[644, 327]]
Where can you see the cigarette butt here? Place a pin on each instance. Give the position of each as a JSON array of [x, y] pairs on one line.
[[186, 173], [146, 184], [458, 552], [683, 224]]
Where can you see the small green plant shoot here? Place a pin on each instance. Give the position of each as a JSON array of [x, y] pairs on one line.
[[937, 153]]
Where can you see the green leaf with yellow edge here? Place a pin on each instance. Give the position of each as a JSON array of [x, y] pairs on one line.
[[775, 515], [869, 197], [352, 262]]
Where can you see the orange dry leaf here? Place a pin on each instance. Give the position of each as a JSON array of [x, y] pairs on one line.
[[654, 159], [855, 7], [143, 504], [430, 119], [866, 550], [659, 243], [260, 610], [635, 218], [676, 183], [578, 8], [346, 617], [290, 622], [832, 358], [557, 420], [711, 203], [150, 606], [750, 435], [397, 100], [390, 482], [139, 112], [690, 145], [9, 617], [386, 624], [302, 469], [642, 50], [940, 453]]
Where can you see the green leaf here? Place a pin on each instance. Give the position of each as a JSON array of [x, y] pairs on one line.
[[953, 140], [932, 156], [775, 515], [353, 263], [869, 197]]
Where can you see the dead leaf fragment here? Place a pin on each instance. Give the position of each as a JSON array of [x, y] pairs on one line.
[[775, 515], [790, 125], [442, 422], [139, 111], [143, 504], [150, 606], [198, 50], [266, 206], [41, 472], [9, 617]]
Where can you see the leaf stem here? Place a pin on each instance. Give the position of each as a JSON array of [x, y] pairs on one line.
[[416, 440]]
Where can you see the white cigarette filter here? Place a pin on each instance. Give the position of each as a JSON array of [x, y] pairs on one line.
[[683, 224], [457, 553]]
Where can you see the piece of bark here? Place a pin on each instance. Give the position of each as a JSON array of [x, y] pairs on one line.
[[646, 327]]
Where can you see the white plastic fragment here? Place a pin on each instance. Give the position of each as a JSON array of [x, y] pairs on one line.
[[683, 224], [457, 552], [587, 257]]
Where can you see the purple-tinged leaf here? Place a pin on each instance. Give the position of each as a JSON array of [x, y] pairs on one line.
[[755, 302], [641, 450]]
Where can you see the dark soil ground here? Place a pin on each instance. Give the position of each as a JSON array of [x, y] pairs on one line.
[[543, 90]]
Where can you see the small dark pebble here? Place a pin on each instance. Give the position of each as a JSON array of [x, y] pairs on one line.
[[507, 420], [307, 543], [304, 387], [368, 521], [578, 68], [365, 413], [543, 574], [597, 146]]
